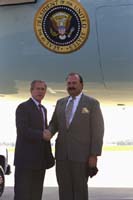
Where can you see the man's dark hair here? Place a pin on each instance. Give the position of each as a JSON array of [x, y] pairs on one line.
[[77, 74]]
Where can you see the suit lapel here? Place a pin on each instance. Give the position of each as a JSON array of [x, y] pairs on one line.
[[35, 109], [62, 109]]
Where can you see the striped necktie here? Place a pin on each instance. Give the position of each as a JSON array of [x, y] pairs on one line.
[[68, 112]]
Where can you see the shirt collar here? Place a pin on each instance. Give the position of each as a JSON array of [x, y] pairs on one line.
[[35, 101], [76, 97]]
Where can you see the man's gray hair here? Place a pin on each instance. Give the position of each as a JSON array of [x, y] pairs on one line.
[[36, 81]]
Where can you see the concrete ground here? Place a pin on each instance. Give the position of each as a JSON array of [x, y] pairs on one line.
[[51, 193]]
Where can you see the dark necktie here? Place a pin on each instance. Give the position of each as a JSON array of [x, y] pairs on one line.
[[68, 112], [41, 113]]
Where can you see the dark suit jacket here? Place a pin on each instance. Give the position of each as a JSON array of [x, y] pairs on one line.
[[31, 150], [85, 134]]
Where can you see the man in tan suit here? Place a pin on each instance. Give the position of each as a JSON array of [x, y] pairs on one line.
[[79, 141]]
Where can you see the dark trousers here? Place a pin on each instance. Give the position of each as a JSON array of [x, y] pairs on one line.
[[28, 184], [72, 180]]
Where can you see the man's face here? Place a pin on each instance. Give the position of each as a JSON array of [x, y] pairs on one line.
[[74, 87], [38, 92]]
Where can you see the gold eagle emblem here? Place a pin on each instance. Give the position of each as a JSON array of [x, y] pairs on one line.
[[61, 22]]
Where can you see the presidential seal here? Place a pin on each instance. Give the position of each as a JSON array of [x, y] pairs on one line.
[[62, 26]]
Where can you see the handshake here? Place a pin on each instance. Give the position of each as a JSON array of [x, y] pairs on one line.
[[47, 135]]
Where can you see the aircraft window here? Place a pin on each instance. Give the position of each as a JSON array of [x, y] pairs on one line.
[[12, 2]]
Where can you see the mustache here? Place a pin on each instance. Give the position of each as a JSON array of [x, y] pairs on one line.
[[71, 88]]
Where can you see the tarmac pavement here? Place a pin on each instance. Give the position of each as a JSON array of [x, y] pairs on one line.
[[51, 193]]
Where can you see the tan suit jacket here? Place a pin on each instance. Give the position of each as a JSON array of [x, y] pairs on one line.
[[84, 137]]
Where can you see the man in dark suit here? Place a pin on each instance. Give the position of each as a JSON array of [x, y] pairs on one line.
[[79, 123], [32, 152]]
